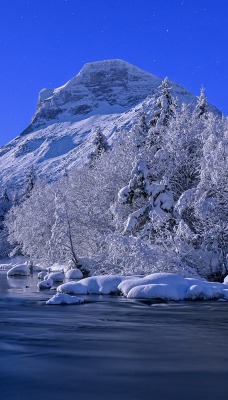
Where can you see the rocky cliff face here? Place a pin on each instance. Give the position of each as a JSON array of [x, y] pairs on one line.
[[103, 87]]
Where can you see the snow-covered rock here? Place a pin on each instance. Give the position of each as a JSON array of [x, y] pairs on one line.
[[61, 298], [174, 280], [204, 292], [160, 291], [159, 286], [167, 286], [74, 273], [42, 275], [108, 86], [56, 276], [101, 284], [18, 270], [163, 286], [45, 284]]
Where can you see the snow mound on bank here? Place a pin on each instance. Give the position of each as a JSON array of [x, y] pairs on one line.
[[154, 291], [61, 298], [226, 280], [74, 273], [204, 292], [101, 284], [19, 270], [157, 286], [166, 286], [173, 280]]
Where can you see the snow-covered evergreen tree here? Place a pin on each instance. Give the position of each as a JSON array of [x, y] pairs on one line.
[[139, 185], [154, 150], [179, 159], [201, 105], [133, 196], [165, 104], [164, 109], [100, 144], [143, 206], [140, 131], [30, 182]]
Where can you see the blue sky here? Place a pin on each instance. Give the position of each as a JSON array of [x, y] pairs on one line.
[[44, 43]]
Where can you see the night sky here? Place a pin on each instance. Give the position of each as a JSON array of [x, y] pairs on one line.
[[44, 43]]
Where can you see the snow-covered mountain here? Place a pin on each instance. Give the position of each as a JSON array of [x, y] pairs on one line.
[[104, 87], [107, 94]]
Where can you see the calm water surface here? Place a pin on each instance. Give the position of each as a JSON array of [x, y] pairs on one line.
[[109, 348]]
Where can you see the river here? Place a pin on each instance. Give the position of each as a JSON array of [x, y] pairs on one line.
[[109, 348]]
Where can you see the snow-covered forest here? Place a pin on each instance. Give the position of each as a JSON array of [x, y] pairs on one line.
[[153, 200]]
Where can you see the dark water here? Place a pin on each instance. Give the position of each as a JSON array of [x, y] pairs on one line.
[[109, 348]]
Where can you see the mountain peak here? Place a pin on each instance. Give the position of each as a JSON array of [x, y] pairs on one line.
[[111, 71], [109, 95], [110, 66], [101, 87]]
